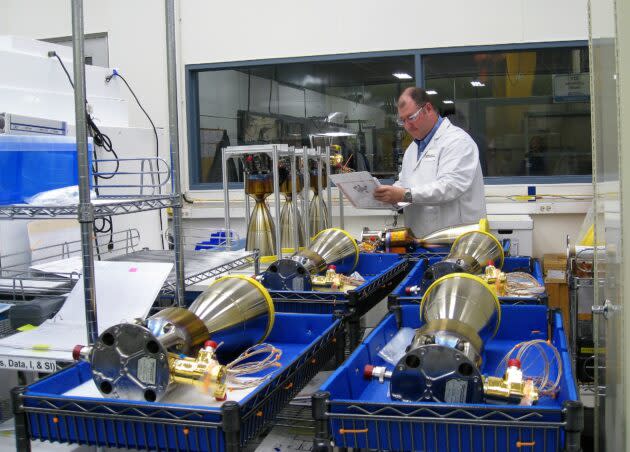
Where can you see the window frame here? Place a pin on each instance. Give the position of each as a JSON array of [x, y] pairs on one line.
[[192, 100]]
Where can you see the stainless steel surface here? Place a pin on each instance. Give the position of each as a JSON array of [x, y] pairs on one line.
[[328, 187], [86, 211], [276, 198], [128, 362], [323, 217], [330, 246], [306, 195], [318, 212], [481, 247], [177, 327], [446, 236], [231, 301], [291, 227], [465, 299], [171, 66], [132, 360], [341, 219], [261, 233], [318, 215], [298, 226], [226, 194], [460, 313]]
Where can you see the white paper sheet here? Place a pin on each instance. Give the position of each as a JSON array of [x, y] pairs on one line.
[[180, 393], [124, 291], [62, 267], [359, 188]]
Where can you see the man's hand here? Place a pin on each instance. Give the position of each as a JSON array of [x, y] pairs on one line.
[[389, 193]]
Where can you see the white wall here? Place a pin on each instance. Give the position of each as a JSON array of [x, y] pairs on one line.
[[282, 28], [210, 32], [136, 38]]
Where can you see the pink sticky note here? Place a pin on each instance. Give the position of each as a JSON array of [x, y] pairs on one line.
[[133, 269]]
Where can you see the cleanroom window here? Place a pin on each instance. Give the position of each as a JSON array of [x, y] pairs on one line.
[[350, 103], [528, 110]]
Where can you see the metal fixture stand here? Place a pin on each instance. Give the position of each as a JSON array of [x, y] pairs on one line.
[[320, 195], [328, 187], [306, 196], [294, 200], [275, 151]]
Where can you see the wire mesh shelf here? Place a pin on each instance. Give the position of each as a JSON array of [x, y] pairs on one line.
[[52, 270], [122, 186]]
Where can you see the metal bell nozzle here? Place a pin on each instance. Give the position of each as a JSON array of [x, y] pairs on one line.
[[141, 361], [446, 236], [469, 254], [460, 313], [317, 212], [259, 185], [328, 247]]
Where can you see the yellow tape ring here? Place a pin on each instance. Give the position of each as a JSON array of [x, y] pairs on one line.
[[498, 244], [265, 294], [354, 242]]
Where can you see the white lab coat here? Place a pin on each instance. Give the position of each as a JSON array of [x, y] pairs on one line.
[[446, 183]]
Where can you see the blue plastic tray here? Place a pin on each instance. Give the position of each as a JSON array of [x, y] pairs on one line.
[[33, 164], [359, 413], [510, 264], [382, 273], [307, 342]]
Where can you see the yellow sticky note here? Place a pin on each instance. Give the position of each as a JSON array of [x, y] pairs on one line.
[[41, 347], [27, 327]]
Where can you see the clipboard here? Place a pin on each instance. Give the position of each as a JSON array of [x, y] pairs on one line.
[[358, 188]]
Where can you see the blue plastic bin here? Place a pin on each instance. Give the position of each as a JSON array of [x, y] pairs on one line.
[[218, 241], [441, 251], [358, 413], [382, 273], [33, 164], [510, 264], [45, 413]]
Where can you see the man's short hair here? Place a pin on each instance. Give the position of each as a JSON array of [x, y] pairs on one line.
[[418, 95]]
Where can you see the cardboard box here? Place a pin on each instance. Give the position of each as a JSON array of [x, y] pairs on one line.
[[558, 293], [555, 267]]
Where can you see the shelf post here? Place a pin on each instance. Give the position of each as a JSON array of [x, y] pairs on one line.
[[174, 140], [85, 209]]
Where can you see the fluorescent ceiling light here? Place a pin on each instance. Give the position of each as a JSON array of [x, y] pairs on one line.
[[448, 101], [337, 134], [431, 92], [477, 84], [402, 75]]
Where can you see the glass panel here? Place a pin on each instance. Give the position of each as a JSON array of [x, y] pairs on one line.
[[609, 424], [351, 104], [528, 111]]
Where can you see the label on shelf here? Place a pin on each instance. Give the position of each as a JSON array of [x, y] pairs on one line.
[[28, 364]]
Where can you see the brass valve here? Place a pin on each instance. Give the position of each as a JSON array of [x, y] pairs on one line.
[[335, 281], [204, 371], [496, 279], [512, 387]]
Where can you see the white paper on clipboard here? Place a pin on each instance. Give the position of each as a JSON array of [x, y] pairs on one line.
[[359, 188]]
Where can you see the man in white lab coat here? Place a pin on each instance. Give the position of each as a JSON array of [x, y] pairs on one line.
[[441, 175]]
